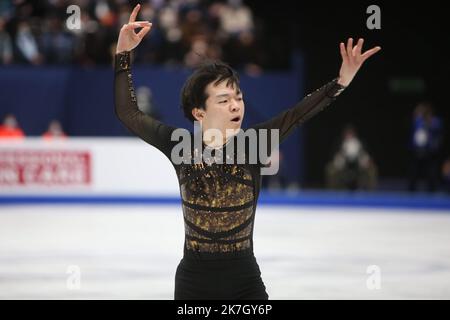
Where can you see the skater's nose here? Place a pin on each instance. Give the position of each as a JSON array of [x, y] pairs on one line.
[[234, 106]]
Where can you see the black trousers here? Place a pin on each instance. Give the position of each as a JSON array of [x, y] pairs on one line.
[[231, 279], [426, 167]]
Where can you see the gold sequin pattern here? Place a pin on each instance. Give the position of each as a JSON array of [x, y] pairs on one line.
[[217, 247], [241, 234], [217, 221], [212, 188], [219, 186]]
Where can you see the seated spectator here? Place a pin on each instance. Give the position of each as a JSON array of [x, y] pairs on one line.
[[352, 167], [10, 128], [54, 131]]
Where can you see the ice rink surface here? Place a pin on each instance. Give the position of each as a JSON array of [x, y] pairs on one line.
[[132, 251]]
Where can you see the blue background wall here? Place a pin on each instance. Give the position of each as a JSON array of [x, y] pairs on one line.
[[82, 99]]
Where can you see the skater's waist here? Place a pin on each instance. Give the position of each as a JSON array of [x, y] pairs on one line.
[[219, 257]]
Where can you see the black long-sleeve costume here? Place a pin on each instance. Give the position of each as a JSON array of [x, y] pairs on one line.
[[218, 200]]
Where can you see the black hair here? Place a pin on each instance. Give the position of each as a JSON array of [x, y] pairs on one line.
[[193, 94]]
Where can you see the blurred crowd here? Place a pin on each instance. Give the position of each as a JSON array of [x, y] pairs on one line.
[[184, 32]]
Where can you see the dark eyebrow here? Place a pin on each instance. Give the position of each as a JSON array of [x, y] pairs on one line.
[[227, 95]]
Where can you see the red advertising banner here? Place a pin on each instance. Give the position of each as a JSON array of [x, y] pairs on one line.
[[45, 168]]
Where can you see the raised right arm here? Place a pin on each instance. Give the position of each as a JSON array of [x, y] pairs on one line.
[[126, 108]]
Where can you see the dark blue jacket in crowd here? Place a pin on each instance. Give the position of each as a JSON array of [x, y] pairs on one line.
[[426, 135]]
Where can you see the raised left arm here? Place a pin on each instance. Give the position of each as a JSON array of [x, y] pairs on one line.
[[313, 103], [352, 60]]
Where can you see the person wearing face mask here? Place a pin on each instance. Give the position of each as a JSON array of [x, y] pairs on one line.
[[352, 167]]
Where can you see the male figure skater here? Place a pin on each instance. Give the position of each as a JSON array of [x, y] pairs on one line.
[[218, 199]]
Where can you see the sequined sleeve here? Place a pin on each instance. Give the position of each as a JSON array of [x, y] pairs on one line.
[[312, 104], [147, 128]]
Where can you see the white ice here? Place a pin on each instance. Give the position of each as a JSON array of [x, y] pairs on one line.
[[131, 252]]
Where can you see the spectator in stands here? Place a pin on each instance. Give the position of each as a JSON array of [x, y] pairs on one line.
[[26, 45], [6, 53], [446, 175], [10, 128], [425, 144], [244, 52], [236, 18], [54, 131], [200, 50], [57, 45], [352, 167], [193, 26]]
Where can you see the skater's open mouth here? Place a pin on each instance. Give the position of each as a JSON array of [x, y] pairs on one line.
[[236, 119]]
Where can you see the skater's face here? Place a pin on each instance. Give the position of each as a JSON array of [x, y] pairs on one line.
[[224, 108]]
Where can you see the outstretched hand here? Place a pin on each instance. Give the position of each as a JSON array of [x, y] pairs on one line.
[[352, 60], [128, 39]]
